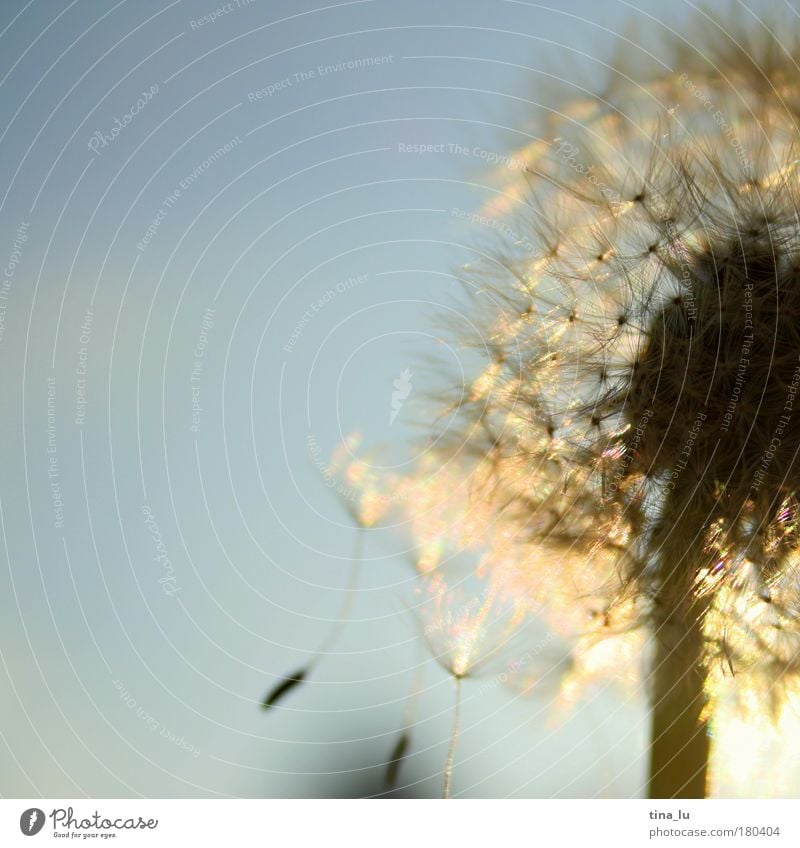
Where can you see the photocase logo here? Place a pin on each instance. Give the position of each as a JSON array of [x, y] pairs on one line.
[[31, 821], [402, 389]]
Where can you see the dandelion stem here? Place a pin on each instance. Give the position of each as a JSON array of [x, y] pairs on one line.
[[679, 742], [456, 731]]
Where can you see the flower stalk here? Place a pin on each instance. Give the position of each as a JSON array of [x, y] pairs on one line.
[[679, 742]]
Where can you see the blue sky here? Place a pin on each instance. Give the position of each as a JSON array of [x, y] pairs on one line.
[[241, 224]]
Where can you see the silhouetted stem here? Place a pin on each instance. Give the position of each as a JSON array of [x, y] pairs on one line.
[[679, 742]]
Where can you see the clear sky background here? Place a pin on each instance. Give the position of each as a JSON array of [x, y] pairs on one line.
[[239, 186]]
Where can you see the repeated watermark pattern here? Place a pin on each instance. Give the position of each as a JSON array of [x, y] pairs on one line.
[[101, 140], [318, 304], [309, 74], [153, 723], [184, 184], [20, 237], [198, 366], [218, 13], [402, 389], [80, 371], [168, 580], [53, 474]]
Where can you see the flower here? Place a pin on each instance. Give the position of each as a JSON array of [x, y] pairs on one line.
[[638, 416], [630, 447]]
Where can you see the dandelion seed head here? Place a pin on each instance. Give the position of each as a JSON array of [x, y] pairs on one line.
[[628, 455]]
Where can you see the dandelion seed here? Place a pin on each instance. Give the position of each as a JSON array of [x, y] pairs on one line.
[[370, 506], [329, 641], [403, 744], [396, 758], [284, 687]]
